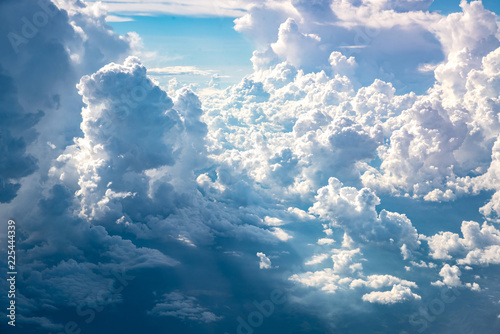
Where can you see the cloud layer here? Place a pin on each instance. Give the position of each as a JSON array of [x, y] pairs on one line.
[[334, 166]]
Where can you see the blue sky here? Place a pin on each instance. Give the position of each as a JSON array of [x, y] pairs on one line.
[[250, 166], [452, 6], [209, 43]]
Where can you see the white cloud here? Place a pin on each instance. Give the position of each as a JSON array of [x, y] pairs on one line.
[[281, 234], [480, 245], [354, 210], [379, 281], [450, 275], [317, 259], [326, 279], [325, 241], [486, 256], [311, 128], [114, 18], [265, 262], [273, 221], [343, 261], [397, 294], [474, 286]]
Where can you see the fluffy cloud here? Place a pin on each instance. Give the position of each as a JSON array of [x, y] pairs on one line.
[[325, 279], [451, 276], [486, 256], [397, 294], [354, 211], [343, 261], [265, 262], [479, 244], [315, 142], [379, 281], [47, 49], [305, 34], [443, 134]]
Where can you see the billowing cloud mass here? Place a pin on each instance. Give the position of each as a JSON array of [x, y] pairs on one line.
[[358, 161]]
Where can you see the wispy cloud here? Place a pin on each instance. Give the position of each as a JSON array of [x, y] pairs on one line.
[[180, 70], [226, 8], [114, 18]]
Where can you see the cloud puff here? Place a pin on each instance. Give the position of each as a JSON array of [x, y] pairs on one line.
[[451, 276], [265, 262], [325, 279], [295, 47], [379, 281], [343, 261], [479, 244], [354, 211], [486, 256], [397, 294]]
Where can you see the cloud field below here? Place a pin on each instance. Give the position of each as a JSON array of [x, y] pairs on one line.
[[348, 185]]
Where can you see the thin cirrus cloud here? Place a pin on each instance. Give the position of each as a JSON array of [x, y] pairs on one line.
[[114, 18], [180, 70], [229, 8]]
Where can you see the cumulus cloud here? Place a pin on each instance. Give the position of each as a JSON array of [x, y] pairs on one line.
[[343, 261], [486, 256], [325, 279], [355, 211], [315, 142], [325, 241], [38, 86], [479, 244], [379, 281], [305, 34], [451, 276], [265, 262], [397, 294]]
